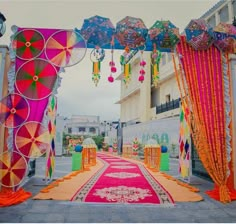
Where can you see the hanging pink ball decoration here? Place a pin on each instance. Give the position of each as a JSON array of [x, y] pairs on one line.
[[142, 63], [113, 69], [142, 72], [141, 78], [112, 63], [110, 78]]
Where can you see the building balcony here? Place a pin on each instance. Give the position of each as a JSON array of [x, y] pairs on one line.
[[174, 104]]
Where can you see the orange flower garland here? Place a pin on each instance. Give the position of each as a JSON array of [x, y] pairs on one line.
[[203, 86]]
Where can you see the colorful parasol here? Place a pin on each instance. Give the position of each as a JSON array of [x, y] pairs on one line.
[[131, 32], [32, 139], [28, 44], [65, 48], [97, 30], [35, 79], [14, 110], [199, 34], [165, 35], [13, 168], [225, 37]]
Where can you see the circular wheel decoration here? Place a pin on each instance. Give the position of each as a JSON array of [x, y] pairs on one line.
[[28, 44], [35, 79], [32, 139], [14, 110], [65, 48], [13, 168]]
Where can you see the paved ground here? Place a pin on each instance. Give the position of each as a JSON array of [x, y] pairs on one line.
[[49, 211]]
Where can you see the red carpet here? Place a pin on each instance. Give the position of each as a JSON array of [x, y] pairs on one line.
[[121, 181]]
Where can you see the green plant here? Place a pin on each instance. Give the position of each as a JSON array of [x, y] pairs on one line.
[[98, 140]]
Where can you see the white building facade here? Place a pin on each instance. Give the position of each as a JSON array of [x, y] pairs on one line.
[[83, 125], [142, 102]]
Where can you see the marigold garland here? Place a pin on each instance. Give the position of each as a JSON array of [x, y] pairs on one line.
[[203, 85]]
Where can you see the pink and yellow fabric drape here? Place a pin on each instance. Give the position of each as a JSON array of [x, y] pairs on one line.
[[203, 85]]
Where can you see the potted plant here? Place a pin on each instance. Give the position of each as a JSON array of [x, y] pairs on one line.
[[135, 146], [115, 146]]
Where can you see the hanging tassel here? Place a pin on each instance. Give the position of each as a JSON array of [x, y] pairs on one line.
[[96, 72], [155, 59], [127, 66], [127, 72]]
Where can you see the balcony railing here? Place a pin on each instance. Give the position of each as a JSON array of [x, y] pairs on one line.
[[167, 106]]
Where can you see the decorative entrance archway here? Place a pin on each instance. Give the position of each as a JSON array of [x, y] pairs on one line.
[[41, 54]]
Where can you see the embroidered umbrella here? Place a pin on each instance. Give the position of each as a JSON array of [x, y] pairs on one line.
[[14, 110], [165, 35], [225, 37], [28, 44], [35, 79], [199, 34], [97, 31], [13, 168], [131, 32], [65, 48], [32, 139]]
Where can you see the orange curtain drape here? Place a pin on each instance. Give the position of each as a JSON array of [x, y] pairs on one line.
[[200, 79]]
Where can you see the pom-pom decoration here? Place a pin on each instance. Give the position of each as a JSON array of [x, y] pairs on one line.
[[142, 71], [112, 63]]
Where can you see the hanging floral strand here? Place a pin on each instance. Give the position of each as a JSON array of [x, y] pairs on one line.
[[142, 65], [112, 63], [127, 66], [155, 60]]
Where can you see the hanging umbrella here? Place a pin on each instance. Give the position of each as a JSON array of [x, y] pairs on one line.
[[14, 110], [65, 48], [32, 139], [35, 79], [28, 44], [13, 168], [131, 32], [97, 30], [165, 35], [199, 34], [225, 37]]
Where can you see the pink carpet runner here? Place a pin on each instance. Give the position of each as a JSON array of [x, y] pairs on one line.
[[121, 181]]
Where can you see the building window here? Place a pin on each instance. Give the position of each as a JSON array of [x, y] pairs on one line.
[[224, 14], [168, 98], [81, 129], [69, 130], [92, 130], [163, 59], [212, 21], [234, 7]]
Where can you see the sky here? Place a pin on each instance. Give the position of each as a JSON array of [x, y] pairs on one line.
[[77, 94]]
